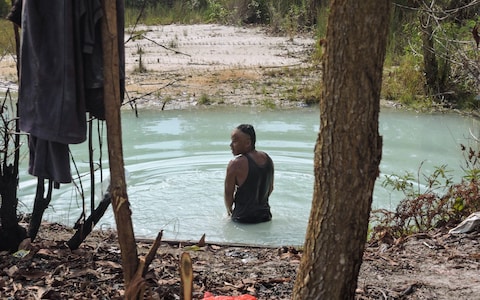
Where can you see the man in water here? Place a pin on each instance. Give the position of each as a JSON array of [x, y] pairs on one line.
[[249, 179]]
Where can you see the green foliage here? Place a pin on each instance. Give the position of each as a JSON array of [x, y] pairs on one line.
[[165, 12], [268, 103], [405, 83], [321, 25], [204, 100], [4, 8], [283, 16], [435, 201], [237, 12], [293, 19], [217, 12], [452, 69], [404, 77], [7, 38]]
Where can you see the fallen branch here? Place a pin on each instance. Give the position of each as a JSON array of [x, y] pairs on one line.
[[84, 229], [132, 100], [164, 47]]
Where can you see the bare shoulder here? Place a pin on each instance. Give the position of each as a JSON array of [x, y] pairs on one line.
[[237, 162], [261, 157]]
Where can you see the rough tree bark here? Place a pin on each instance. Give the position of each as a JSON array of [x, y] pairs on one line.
[[118, 190], [429, 57], [347, 152], [134, 268]]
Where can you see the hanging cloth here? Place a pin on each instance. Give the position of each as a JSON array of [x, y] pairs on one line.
[[51, 103], [61, 66]]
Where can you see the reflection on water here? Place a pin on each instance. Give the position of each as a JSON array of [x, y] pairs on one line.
[[175, 163]]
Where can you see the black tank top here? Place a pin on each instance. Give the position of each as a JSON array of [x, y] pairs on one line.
[[251, 198]]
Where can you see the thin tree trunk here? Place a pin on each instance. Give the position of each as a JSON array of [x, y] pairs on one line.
[[39, 206], [11, 234], [84, 229], [429, 58], [118, 190], [347, 152]]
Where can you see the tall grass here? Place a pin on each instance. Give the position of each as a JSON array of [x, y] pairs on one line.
[[161, 14], [283, 16], [7, 38], [405, 82]]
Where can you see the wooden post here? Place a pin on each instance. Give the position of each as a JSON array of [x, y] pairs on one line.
[[118, 190], [186, 277]]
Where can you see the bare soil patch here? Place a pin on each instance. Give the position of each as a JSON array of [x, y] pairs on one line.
[[426, 266], [178, 66]]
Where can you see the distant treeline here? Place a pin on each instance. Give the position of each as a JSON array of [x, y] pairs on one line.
[[242, 11]]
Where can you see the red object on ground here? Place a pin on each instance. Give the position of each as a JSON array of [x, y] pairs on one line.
[[210, 296]]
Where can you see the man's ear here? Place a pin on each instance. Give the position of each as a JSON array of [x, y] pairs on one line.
[[249, 142]]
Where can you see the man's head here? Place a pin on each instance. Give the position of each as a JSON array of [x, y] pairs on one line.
[[250, 131], [243, 139]]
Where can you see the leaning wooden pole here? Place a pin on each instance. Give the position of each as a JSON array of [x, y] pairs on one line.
[[118, 190]]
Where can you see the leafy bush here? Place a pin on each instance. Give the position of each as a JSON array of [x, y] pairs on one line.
[[441, 202], [217, 12], [7, 38], [4, 8], [405, 83]]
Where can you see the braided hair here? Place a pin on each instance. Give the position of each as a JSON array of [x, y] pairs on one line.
[[250, 131]]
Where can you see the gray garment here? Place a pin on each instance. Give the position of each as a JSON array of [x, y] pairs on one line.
[[49, 160], [61, 78], [51, 104]]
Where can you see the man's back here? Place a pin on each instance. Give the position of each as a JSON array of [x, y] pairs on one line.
[[251, 197]]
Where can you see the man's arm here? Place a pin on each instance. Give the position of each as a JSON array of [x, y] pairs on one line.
[[273, 177], [230, 180]]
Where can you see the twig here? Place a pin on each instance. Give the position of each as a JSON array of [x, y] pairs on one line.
[[473, 135], [164, 47], [137, 21], [151, 254], [149, 93]]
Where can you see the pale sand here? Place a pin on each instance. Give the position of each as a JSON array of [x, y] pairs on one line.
[[186, 64]]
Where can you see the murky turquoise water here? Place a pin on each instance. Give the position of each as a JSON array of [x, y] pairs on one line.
[[176, 162]]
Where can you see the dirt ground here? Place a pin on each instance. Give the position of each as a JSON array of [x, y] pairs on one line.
[[178, 66], [427, 266]]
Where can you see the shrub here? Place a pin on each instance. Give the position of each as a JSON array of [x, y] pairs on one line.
[[441, 203]]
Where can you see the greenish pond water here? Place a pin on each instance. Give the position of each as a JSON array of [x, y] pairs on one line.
[[175, 163]]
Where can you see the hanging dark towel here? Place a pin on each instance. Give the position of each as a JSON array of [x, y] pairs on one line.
[[15, 13], [61, 65], [51, 104], [90, 32], [49, 160]]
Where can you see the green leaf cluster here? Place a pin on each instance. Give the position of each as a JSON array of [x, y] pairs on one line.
[[430, 200]]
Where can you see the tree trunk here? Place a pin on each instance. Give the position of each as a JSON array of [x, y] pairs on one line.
[[347, 152], [11, 233], [39, 206], [429, 58], [118, 190]]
